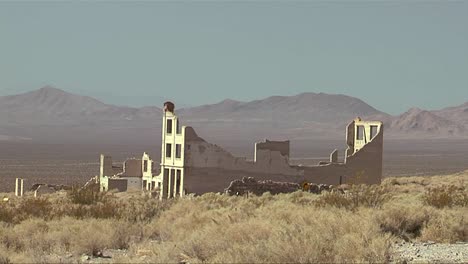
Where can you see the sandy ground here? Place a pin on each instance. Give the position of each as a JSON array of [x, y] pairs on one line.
[[402, 252], [429, 252]]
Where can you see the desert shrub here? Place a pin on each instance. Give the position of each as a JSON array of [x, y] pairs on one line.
[[394, 182], [446, 196], [97, 211], [448, 226], [372, 196], [300, 197], [404, 221], [85, 196], [89, 236], [125, 233], [92, 238], [141, 209], [33, 207], [7, 214], [334, 199]]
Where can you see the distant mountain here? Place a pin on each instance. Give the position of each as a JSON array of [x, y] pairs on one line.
[[51, 114], [305, 116], [458, 114], [308, 107], [52, 106], [419, 122]]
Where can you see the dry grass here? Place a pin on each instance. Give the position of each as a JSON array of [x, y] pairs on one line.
[[270, 229], [447, 226], [403, 221], [299, 227], [357, 196]]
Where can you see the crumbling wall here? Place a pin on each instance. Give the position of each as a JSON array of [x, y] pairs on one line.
[[365, 166], [106, 166], [361, 166], [201, 154], [332, 173], [209, 167], [133, 183], [147, 166], [280, 146], [132, 168], [117, 184]]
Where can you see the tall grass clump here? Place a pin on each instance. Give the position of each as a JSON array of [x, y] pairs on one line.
[[403, 221], [447, 226]]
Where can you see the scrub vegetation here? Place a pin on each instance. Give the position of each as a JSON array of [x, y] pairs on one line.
[[358, 226]]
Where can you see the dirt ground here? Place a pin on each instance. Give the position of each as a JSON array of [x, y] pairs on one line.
[[430, 252]]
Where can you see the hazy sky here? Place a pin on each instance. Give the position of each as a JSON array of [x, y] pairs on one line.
[[393, 55]]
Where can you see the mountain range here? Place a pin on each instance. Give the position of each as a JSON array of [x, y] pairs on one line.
[[53, 115]]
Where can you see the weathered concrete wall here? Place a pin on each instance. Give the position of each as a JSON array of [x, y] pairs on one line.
[[146, 165], [209, 168], [106, 166], [281, 146], [132, 168], [327, 174], [118, 184], [133, 183], [365, 166], [201, 154]]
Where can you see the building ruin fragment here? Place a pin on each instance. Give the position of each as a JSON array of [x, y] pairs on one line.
[[189, 164], [19, 187]]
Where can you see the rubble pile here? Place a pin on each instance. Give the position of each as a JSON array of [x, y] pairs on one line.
[[250, 185]]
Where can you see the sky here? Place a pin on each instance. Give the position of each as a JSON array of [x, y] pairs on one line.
[[392, 54]]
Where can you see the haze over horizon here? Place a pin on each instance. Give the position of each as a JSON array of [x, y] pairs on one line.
[[392, 55]]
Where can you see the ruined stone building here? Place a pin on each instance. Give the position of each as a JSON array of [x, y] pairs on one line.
[[130, 176], [189, 164]]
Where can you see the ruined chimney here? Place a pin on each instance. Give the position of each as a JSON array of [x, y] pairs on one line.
[[169, 106]]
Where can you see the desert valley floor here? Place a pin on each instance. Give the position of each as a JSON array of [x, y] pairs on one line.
[[76, 163]]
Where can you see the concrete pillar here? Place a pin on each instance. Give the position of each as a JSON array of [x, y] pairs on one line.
[[19, 187], [181, 188], [174, 180], [16, 187], [169, 184], [164, 184], [177, 187]]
